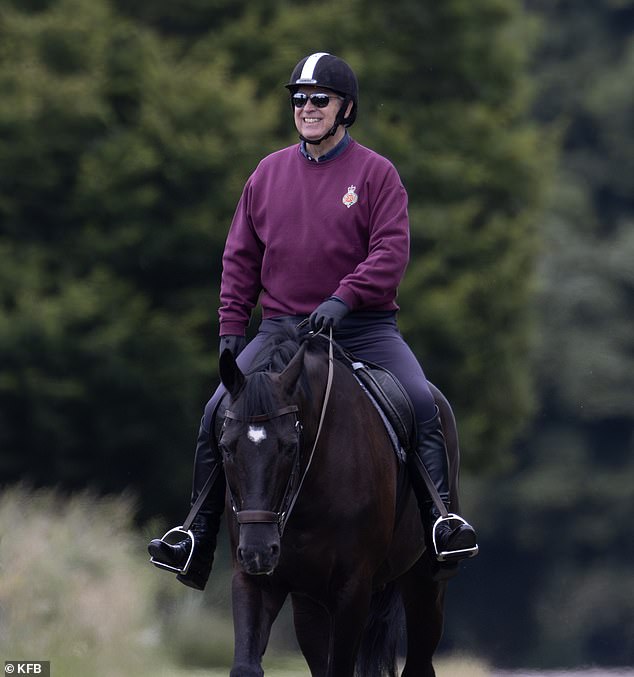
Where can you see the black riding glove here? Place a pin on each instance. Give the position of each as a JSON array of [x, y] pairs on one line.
[[328, 314], [235, 344]]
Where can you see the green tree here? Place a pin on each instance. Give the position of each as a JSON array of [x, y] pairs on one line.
[[450, 109], [126, 134], [121, 163], [561, 522]]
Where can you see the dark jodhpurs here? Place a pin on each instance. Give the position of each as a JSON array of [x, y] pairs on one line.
[[370, 336]]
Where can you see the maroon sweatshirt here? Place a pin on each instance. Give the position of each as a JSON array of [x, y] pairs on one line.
[[304, 231]]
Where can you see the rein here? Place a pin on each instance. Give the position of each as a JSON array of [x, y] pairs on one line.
[[317, 435], [291, 493]]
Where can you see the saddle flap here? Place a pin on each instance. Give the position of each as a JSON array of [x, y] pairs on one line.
[[390, 396]]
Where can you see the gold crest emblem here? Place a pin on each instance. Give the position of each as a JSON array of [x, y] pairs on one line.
[[350, 197]]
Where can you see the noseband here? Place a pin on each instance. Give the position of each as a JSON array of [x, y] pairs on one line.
[[293, 487]]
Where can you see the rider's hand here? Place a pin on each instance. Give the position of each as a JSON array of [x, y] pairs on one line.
[[328, 314], [233, 343]]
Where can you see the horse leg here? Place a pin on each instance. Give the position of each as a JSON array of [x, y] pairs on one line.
[[424, 602], [329, 639], [256, 603], [312, 629], [347, 622]]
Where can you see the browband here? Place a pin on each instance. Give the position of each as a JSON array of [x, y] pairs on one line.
[[291, 409]]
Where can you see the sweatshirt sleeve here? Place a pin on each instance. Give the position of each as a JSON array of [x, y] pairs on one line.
[[375, 280], [241, 265]]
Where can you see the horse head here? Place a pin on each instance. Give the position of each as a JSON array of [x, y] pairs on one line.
[[260, 443]]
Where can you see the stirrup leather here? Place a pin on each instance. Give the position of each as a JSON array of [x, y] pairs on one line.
[[172, 537], [448, 555]]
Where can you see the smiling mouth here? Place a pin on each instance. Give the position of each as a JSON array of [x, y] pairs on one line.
[[312, 120]]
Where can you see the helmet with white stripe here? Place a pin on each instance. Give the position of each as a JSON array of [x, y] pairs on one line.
[[326, 70]]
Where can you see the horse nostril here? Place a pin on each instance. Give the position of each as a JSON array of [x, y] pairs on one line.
[[275, 550], [240, 555]]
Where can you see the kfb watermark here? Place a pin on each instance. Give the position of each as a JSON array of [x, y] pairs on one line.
[[41, 668]]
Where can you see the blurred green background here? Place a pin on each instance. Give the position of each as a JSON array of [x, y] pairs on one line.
[[127, 131]]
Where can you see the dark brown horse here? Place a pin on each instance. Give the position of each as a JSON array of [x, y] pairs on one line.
[[312, 489]]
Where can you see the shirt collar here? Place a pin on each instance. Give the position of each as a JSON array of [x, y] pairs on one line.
[[337, 150]]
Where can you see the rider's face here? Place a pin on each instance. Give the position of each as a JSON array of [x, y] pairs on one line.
[[313, 122]]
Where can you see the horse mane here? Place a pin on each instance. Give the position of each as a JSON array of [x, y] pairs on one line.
[[257, 396], [278, 350]]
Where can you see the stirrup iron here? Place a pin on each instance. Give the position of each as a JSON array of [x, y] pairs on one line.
[[449, 555], [172, 537]]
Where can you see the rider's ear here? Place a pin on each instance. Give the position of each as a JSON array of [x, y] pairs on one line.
[[290, 375], [230, 375]]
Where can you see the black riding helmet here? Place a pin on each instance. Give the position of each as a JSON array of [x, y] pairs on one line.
[[326, 70]]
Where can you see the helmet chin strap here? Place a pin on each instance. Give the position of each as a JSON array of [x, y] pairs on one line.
[[316, 142]]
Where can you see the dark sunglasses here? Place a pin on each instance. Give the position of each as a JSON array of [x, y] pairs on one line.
[[319, 100]]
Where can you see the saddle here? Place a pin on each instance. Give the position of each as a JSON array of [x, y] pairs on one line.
[[390, 399]]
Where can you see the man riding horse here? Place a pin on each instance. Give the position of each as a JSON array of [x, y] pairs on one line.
[[321, 231]]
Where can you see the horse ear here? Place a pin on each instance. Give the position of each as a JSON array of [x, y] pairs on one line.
[[230, 375], [290, 375]]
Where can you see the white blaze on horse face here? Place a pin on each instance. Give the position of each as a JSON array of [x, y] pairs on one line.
[[256, 434]]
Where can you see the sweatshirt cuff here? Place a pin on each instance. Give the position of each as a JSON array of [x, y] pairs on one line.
[[232, 329], [348, 297]]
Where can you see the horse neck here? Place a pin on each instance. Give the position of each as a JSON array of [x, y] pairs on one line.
[[316, 366], [341, 443]]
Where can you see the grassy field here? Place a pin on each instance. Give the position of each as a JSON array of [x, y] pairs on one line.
[[103, 611], [295, 667]]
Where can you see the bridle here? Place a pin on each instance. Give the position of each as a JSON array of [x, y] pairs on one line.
[[295, 482], [270, 516]]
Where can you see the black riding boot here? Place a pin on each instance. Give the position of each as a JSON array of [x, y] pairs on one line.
[[205, 525], [449, 540]]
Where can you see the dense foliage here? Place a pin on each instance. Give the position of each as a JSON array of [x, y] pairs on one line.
[[126, 133], [559, 539]]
